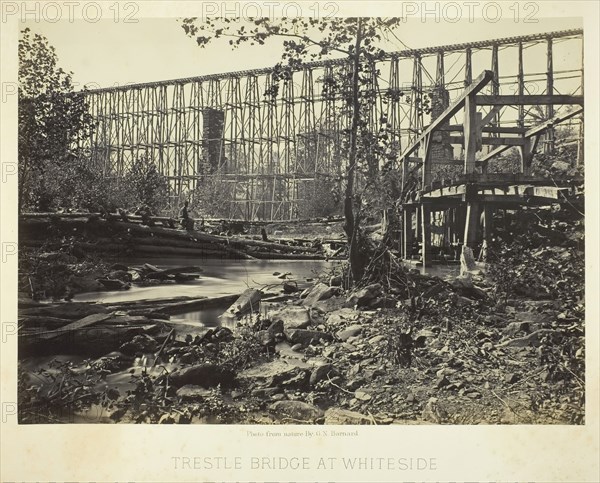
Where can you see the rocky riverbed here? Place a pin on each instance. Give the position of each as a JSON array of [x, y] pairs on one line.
[[452, 355]]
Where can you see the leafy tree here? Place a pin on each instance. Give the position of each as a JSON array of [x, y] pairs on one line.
[[53, 121], [146, 185], [307, 39]]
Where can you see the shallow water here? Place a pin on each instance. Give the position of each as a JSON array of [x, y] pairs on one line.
[[218, 277]]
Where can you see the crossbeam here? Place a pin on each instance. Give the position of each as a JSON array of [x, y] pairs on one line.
[[485, 100]]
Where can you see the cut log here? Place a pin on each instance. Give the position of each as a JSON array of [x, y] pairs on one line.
[[79, 324]]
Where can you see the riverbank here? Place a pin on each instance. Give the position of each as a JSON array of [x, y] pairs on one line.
[[448, 356]]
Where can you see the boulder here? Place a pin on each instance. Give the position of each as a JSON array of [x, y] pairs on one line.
[[344, 416], [319, 292], [296, 411], [341, 316], [292, 317], [348, 332], [305, 336], [205, 375], [320, 373], [139, 344], [330, 305], [364, 296]]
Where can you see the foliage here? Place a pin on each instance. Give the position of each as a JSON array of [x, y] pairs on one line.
[[321, 199], [146, 185], [212, 197], [53, 122], [543, 260]]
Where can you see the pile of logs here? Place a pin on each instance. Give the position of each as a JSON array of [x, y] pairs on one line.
[[158, 236], [95, 328]]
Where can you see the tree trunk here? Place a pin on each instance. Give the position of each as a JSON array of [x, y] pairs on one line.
[[352, 221]]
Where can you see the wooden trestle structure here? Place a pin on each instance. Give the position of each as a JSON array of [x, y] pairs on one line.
[[465, 205], [272, 152]]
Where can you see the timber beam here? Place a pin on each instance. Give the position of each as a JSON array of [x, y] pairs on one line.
[[488, 100]]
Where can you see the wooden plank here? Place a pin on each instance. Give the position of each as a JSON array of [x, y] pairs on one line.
[[495, 152], [470, 139], [551, 122], [514, 141], [526, 100], [486, 129]]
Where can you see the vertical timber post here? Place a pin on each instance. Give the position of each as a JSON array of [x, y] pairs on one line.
[[471, 130], [425, 234], [549, 144], [407, 232]]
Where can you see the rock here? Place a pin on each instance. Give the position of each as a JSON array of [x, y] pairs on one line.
[[442, 382], [122, 275], [305, 336], [348, 332], [296, 410], [139, 344], [297, 347], [266, 392], [341, 316], [364, 296], [319, 292], [335, 281], [292, 317], [296, 379], [222, 334], [344, 416], [205, 375], [166, 419], [290, 287], [377, 339], [467, 260], [273, 372], [82, 284], [320, 373], [434, 412], [362, 395], [191, 392], [187, 358], [330, 305], [511, 378], [514, 328], [534, 339], [276, 328], [114, 284]]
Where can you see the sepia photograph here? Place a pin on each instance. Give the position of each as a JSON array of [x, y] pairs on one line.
[[296, 222]]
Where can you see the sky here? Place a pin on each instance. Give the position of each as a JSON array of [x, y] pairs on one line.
[[108, 53]]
